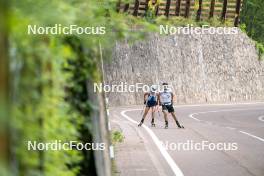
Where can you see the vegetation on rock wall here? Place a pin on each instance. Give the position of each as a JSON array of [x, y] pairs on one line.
[[252, 22]]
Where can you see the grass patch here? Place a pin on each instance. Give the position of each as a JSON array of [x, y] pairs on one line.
[[117, 137], [260, 48], [115, 172]]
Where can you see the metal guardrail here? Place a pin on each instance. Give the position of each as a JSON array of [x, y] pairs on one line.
[[201, 9]]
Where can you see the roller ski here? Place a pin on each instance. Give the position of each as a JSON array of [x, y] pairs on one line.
[[166, 125], [153, 123], [141, 122], [181, 127], [178, 124]]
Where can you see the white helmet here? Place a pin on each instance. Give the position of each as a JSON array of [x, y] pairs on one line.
[[153, 88]]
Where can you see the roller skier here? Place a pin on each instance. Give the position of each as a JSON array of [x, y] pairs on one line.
[[150, 100], [165, 99]]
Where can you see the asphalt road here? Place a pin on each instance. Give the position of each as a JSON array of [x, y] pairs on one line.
[[238, 131]]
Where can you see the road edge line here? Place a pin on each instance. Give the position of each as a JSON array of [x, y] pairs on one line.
[[175, 168]]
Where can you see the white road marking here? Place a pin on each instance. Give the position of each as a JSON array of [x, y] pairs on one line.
[[229, 110], [141, 169], [231, 128], [202, 105], [227, 104], [261, 118], [225, 110], [251, 135], [175, 168], [191, 116]]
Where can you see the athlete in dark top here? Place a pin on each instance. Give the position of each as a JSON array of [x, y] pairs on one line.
[[150, 100]]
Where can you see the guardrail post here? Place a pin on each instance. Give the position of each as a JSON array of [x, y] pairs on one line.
[[126, 7], [223, 17], [238, 6], [157, 9], [135, 13], [118, 4], [212, 9], [178, 7], [199, 11], [146, 6], [187, 9], [111, 147], [167, 9]]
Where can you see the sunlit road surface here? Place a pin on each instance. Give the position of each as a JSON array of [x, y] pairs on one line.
[[241, 125]]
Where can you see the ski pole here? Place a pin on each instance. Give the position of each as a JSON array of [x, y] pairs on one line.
[[157, 109], [143, 109]]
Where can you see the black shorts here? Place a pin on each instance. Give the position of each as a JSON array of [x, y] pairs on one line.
[[168, 108]]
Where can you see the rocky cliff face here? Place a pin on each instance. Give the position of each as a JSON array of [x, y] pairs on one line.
[[201, 68]]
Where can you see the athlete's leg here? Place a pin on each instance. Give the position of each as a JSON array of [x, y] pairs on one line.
[[176, 120], [144, 116], [165, 114], [153, 115]]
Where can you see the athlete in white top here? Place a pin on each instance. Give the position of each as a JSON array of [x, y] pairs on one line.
[[165, 99]]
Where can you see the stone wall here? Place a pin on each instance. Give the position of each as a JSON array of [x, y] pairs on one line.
[[201, 68]]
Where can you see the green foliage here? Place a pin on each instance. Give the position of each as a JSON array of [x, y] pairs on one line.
[[243, 28], [260, 48], [49, 76], [39, 112], [80, 68], [252, 17], [252, 22], [150, 14], [117, 137]]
